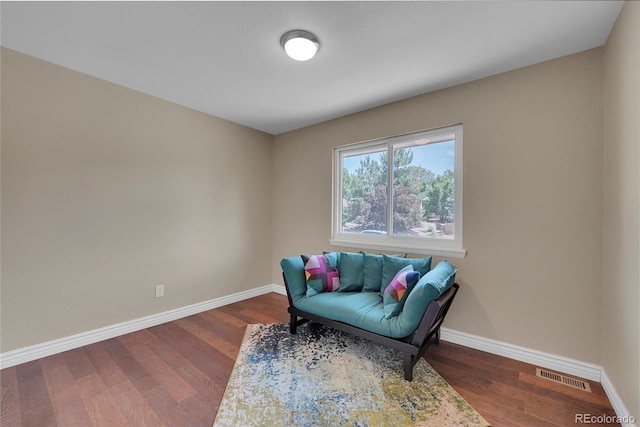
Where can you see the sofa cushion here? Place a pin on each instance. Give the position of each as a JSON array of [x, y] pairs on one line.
[[351, 270], [439, 279], [293, 273], [398, 290], [392, 264], [429, 287], [334, 257], [372, 268], [361, 309], [321, 274]]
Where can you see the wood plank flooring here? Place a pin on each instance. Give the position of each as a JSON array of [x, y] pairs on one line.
[[175, 375]]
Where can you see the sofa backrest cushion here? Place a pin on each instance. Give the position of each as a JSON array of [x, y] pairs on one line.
[[372, 273], [351, 269], [392, 264], [373, 281]]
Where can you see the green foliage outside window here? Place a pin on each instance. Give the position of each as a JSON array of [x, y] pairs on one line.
[[421, 198]]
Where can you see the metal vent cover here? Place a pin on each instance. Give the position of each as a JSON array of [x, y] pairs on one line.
[[562, 379]]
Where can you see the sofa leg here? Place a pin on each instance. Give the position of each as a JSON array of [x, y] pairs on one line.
[[408, 367], [292, 324]]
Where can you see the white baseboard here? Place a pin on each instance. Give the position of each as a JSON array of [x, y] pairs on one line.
[[278, 289], [546, 360], [616, 401], [523, 354], [37, 351]]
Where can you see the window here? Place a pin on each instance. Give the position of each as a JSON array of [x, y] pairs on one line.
[[401, 193]]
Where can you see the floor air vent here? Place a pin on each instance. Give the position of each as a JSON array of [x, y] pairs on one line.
[[561, 379]]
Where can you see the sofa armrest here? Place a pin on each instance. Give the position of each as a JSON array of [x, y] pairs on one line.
[[294, 280], [434, 316]]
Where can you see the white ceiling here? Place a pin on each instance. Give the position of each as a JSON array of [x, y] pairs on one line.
[[224, 58]]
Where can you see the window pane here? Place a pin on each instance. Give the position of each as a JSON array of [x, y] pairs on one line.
[[423, 190], [401, 193], [364, 193]]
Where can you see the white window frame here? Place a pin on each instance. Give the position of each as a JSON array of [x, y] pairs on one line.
[[417, 245]]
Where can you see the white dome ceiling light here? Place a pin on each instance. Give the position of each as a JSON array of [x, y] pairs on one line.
[[300, 45]]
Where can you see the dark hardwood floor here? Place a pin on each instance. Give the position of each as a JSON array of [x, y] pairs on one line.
[[175, 375]]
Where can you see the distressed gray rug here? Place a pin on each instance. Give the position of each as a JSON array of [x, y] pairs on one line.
[[323, 377]]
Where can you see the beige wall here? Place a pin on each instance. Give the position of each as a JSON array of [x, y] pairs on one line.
[[107, 192], [532, 198], [621, 284]]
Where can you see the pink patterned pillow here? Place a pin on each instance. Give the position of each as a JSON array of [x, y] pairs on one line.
[[321, 274], [398, 290]]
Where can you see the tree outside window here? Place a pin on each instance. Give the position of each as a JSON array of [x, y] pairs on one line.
[[401, 187]]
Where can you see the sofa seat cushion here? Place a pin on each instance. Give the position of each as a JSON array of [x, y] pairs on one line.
[[364, 310], [349, 307]]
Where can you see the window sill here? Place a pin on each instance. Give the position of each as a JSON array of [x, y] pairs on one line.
[[414, 249]]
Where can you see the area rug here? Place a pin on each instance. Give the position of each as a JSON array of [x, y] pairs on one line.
[[323, 377]]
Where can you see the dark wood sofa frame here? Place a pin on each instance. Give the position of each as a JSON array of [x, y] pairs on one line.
[[413, 347]]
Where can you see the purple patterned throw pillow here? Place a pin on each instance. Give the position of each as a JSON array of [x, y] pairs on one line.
[[320, 274], [396, 293]]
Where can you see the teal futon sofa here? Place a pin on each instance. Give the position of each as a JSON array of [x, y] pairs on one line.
[[396, 301]]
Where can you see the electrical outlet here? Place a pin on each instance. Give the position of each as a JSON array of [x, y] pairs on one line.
[[159, 291]]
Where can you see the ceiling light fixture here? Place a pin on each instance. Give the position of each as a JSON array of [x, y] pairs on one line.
[[300, 45]]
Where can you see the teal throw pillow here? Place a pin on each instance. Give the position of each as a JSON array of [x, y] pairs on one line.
[[321, 274], [392, 264], [372, 266], [351, 269], [334, 257], [398, 290]]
